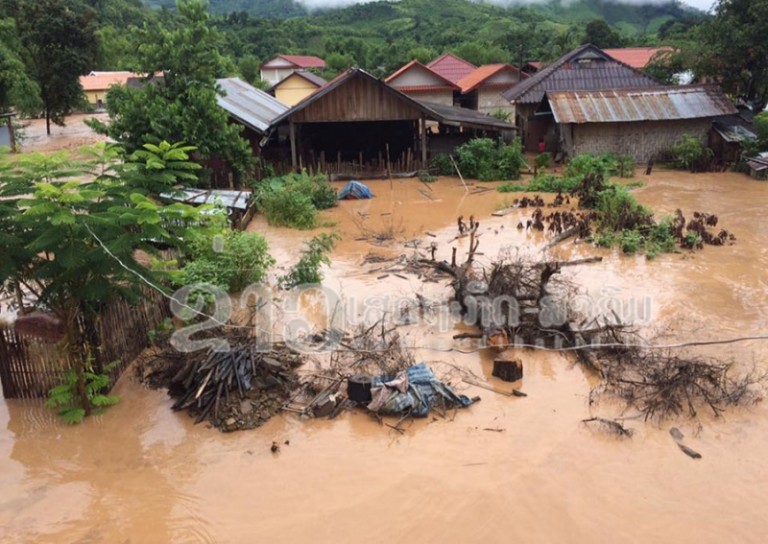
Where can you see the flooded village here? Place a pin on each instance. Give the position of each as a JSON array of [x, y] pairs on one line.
[[450, 302]]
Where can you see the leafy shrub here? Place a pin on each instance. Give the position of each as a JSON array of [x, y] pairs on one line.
[[442, 164], [314, 255], [66, 398], [476, 158], [619, 210], [546, 183], [543, 160], [691, 240], [426, 177], [630, 241], [293, 200], [690, 154], [232, 260], [481, 158], [585, 164], [625, 166]]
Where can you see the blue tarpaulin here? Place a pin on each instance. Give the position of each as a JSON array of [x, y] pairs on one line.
[[413, 392], [355, 190]]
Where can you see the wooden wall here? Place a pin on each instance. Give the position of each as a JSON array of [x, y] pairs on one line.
[[358, 99]]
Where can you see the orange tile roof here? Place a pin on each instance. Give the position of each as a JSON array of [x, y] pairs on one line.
[[451, 67], [101, 81], [636, 57], [476, 78], [304, 61]]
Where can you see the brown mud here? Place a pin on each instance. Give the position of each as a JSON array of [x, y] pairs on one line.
[[142, 473]]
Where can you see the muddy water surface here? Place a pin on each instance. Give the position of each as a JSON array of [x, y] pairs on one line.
[[142, 473]]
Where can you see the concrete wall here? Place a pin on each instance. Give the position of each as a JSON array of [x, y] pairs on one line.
[[436, 97], [641, 140], [490, 100]]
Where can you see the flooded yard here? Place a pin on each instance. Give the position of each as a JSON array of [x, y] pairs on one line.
[[142, 473]]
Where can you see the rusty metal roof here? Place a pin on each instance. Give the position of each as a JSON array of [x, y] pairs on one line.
[[629, 105], [249, 105], [586, 68]]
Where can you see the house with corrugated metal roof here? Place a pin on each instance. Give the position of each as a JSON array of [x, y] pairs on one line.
[[280, 67], [296, 87], [253, 109], [643, 123], [586, 68]]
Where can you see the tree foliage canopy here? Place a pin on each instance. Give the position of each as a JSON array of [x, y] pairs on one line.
[[181, 105]]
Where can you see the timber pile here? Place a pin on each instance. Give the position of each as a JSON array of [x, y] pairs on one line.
[[233, 390]]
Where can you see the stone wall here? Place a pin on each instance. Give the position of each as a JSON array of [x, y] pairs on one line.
[[642, 140]]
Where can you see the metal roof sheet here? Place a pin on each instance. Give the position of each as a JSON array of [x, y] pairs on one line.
[[628, 105], [567, 74], [249, 105], [228, 199]]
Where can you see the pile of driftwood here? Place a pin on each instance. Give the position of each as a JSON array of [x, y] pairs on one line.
[[236, 389], [521, 303]]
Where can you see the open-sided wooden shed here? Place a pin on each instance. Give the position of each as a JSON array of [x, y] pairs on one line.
[[359, 123]]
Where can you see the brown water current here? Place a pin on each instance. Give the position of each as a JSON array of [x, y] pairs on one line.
[[142, 473]]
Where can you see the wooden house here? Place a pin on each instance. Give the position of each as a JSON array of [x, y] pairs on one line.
[[359, 125]]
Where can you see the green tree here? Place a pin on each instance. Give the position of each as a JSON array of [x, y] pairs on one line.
[[16, 87], [70, 235], [59, 39], [732, 48], [599, 33], [180, 106]]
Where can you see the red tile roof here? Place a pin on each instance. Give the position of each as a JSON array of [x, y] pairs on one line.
[[304, 61], [479, 76], [451, 67], [636, 57], [414, 65]]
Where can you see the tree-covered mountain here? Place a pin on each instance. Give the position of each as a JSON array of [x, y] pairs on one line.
[[629, 18]]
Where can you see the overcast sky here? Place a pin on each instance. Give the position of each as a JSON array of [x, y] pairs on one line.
[[701, 4]]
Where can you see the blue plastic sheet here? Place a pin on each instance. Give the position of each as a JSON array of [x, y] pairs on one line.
[[355, 190], [413, 392]]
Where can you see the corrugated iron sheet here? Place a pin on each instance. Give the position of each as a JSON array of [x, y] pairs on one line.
[[567, 74], [229, 199], [249, 105], [628, 105]]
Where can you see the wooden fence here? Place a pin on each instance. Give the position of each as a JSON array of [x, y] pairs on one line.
[[30, 366]]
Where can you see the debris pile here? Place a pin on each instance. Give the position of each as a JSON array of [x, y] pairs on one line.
[[374, 371], [236, 389]]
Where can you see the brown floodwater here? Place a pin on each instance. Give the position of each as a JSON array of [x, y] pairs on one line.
[[142, 473]]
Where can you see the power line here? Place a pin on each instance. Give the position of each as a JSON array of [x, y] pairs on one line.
[[539, 347]]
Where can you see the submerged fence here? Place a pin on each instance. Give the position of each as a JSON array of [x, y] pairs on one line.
[[30, 366]]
